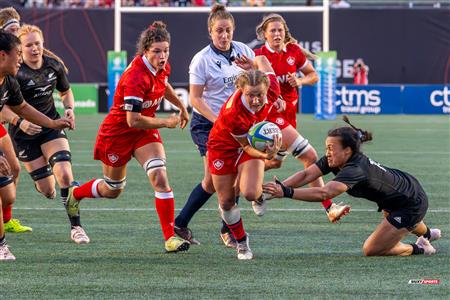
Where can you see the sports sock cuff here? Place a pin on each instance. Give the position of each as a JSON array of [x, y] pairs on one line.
[[427, 234], [231, 216], [417, 250], [64, 192], [2, 241]]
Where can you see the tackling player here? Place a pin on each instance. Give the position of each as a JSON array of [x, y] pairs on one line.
[[287, 58], [131, 130], [398, 194]]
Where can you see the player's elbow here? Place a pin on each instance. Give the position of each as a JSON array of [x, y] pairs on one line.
[[133, 121]]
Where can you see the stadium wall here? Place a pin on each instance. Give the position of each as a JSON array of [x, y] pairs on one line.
[[401, 46]]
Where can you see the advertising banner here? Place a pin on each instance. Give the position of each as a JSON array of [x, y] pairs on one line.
[[117, 62], [86, 99], [324, 90], [426, 99]]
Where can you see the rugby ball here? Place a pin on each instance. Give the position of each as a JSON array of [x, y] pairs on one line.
[[261, 135]]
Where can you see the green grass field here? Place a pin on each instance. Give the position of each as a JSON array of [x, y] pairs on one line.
[[298, 253]]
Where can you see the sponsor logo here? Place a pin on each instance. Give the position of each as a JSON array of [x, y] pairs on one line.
[[44, 88], [440, 98], [290, 60], [358, 101], [31, 83], [113, 157], [398, 219], [156, 135], [229, 81], [218, 164], [372, 162], [150, 103], [218, 63], [128, 107]]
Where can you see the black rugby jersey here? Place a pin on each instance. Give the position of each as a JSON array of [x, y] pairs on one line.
[[37, 88], [365, 178], [10, 92]]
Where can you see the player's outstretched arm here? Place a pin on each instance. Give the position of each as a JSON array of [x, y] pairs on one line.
[[8, 116], [28, 112]]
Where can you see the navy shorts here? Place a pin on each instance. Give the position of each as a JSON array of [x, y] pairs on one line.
[[30, 149], [408, 217], [200, 128]]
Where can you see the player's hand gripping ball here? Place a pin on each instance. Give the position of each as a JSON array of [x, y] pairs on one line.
[[260, 135]]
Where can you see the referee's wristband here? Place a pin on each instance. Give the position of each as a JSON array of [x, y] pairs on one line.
[[19, 121]]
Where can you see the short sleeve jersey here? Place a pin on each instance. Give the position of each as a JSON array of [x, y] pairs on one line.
[[140, 82], [236, 118], [289, 60], [37, 88], [365, 178], [217, 73], [10, 92]]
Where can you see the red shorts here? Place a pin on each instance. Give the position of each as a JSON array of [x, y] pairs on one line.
[[285, 118], [226, 162], [3, 131], [116, 151]]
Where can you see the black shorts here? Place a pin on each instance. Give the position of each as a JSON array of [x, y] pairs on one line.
[[30, 149], [408, 217], [200, 128]]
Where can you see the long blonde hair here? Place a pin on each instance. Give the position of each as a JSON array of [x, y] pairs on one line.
[[267, 19], [27, 29]]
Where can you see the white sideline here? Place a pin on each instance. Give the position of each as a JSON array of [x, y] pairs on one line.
[[439, 210]]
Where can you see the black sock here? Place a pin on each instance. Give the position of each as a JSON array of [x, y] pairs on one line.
[[427, 235], [2, 241], [74, 221], [417, 250], [196, 199]]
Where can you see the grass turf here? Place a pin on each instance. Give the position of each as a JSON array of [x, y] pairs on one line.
[[298, 253]]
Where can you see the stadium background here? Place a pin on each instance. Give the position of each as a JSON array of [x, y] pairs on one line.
[[298, 254]]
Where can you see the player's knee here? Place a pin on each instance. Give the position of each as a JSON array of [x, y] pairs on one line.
[[65, 178], [48, 191], [113, 187], [158, 179], [370, 250], [208, 185], [309, 157], [273, 164], [60, 156], [252, 195]]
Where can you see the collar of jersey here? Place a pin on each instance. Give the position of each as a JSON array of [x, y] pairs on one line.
[[149, 66], [222, 53], [271, 50]]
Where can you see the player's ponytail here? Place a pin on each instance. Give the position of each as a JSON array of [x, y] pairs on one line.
[[351, 136], [154, 33], [363, 135], [219, 12], [27, 29]]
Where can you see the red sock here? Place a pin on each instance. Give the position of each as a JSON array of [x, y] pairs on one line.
[[165, 207], [327, 203], [7, 213], [237, 229], [88, 190]]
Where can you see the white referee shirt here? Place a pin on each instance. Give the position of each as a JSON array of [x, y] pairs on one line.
[[216, 73]]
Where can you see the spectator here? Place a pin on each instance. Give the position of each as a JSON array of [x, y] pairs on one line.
[[339, 4], [360, 72]]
